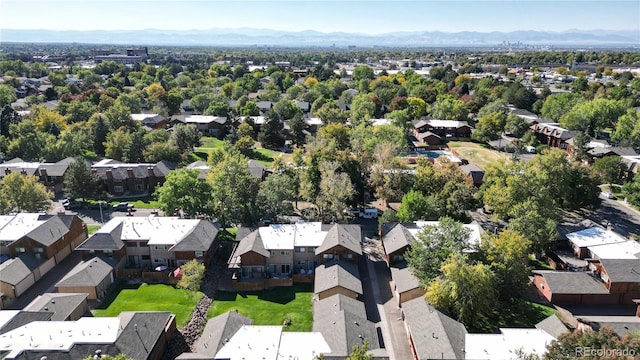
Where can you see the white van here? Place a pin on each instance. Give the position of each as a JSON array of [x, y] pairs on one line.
[[369, 213]]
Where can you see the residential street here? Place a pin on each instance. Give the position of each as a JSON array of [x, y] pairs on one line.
[[625, 219], [380, 304]]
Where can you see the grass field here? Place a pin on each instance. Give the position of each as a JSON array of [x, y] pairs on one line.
[[478, 154], [521, 313], [91, 228], [269, 307], [263, 156], [211, 142], [147, 297]]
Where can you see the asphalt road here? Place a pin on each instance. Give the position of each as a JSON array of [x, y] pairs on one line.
[[95, 216], [624, 218]]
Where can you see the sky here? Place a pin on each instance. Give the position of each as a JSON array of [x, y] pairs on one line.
[[361, 16]]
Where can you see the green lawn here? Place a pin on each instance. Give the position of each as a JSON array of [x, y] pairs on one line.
[[478, 154], [92, 228], [211, 143], [521, 314], [269, 307], [157, 297]]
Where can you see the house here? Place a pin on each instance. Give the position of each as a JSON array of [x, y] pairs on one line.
[[504, 346], [136, 335], [65, 307], [473, 174], [397, 237], [51, 175], [343, 330], [208, 125], [428, 138], [148, 242], [405, 285], [256, 169], [217, 333], [620, 277], [529, 117], [337, 278], [280, 254], [568, 287], [93, 276], [633, 164], [336, 303], [447, 129], [432, 334], [17, 275], [151, 121], [553, 135], [131, 179], [581, 241]]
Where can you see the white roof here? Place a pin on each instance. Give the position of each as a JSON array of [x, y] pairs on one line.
[[288, 236], [504, 346], [474, 237], [446, 123], [14, 227], [313, 121], [116, 164], [624, 250], [379, 122], [250, 341], [258, 120], [157, 230], [271, 343], [594, 236], [302, 345], [140, 117], [200, 119], [59, 335]]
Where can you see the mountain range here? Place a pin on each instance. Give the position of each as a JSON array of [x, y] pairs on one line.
[[265, 37]]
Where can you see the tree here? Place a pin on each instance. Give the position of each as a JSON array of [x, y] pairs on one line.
[[537, 224], [416, 206], [336, 190], [184, 192], [389, 178], [275, 196], [508, 256], [118, 144], [20, 193], [270, 135], [359, 352], [516, 125], [519, 96], [362, 109], [363, 72], [433, 245], [234, 190], [286, 109], [631, 191], [580, 344], [464, 290], [244, 146], [81, 182], [99, 130], [119, 116], [44, 119], [129, 101], [28, 142], [298, 127], [7, 95], [609, 169], [627, 130], [8, 116], [185, 138], [159, 151], [174, 101], [593, 116], [447, 107], [192, 275], [489, 127]]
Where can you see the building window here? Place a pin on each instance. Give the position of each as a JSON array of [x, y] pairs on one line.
[[21, 250], [199, 253], [160, 247], [300, 249], [285, 253], [139, 187], [348, 256], [311, 249], [327, 256], [286, 268], [131, 244], [144, 244], [271, 268], [272, 253], [118, 188], [38, 250], [146, 257]]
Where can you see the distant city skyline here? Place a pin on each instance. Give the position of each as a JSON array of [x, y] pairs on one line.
[[352, 16]]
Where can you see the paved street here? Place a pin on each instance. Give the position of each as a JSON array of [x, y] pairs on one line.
[[625, 219], [380, 304], [47, 282]]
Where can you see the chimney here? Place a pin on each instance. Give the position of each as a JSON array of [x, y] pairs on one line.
[[23, 171], [43, 172], [7, 171], [109, 174], [150, 171], [130, 172]]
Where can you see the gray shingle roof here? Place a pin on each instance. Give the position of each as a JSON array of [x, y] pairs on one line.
[[49, 232], [348, 236], [474, 171], [23, 318], [200, 238], [104, 241], [87, 273], [335, 274], [434, 335], [552, 326], [565, 282], [336, 303], [141, 332], [13, 271], [219, 330], [396, 238], [61, 304], [622, 270], [404, 278], [251, 242], [343, 330], [256, 169]]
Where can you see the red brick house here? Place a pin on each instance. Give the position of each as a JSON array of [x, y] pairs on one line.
[[125, 179]]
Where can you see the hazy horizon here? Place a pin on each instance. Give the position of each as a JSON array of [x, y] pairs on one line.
[[362, 17]]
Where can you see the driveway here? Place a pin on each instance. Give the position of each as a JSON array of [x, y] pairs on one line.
[[46, 284]]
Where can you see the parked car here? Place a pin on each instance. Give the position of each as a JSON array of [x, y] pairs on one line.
[[72, 205], [123, 206], [369, 213], [607, 195]]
